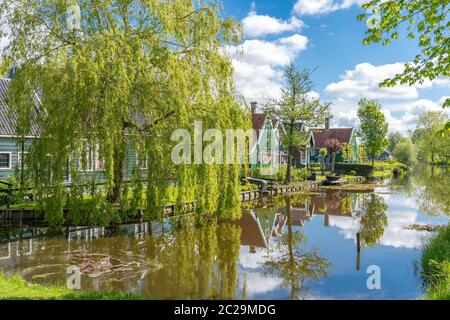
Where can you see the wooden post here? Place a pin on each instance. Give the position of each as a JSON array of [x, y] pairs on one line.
[[22, 165], [8, 198], [358, 251]]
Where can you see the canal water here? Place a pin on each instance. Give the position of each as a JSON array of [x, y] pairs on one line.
[[326, 245]]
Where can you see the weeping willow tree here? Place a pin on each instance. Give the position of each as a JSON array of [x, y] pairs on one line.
[[104, 79]]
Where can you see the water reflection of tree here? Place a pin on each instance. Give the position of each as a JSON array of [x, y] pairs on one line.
[[228, 245], [198, 263], [372, 219], [292, 261], [432, 189]]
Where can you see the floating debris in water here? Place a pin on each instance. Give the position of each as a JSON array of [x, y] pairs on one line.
[[353, 187], [425, 227]]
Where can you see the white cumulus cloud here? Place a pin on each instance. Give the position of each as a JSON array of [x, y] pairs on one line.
[[258, 65], [261, 25], [401, 116], [320, 7], [364, 80]]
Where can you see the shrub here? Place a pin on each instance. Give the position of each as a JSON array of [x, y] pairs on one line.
[[352, 169], [249, 187], [254, 172], [405, 152], [282, 173], [314, 165], [299, 174]]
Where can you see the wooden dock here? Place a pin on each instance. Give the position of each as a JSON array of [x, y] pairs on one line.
[[339, 182]]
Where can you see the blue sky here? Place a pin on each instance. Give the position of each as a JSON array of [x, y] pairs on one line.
[[325, 34]]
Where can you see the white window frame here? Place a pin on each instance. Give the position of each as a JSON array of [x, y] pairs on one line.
[[69, 178], [97, 159], [144, 165], [90, 163], [92, 160], [10, 160]]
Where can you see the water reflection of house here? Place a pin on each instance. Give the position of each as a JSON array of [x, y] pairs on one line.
[[11, 250], [85, 233], [278, 224], [333, 204], [300, 213], [272, 221], [252, 233]]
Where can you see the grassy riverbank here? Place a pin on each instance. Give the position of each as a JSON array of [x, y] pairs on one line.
[[435, 266], [14, 288]]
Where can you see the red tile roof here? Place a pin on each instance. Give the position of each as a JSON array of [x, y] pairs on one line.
[[321, 135], [258, 120], [332, 204], [252, 233]]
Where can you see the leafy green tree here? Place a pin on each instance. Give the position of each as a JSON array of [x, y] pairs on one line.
[[372, 219], [405, 152], [362, 153], [373, 127], [297, 110], [431, 197], [322, 154], [432, 144], [427, 23], [394, 138], [122, 75], [292, 261], [347, 151]]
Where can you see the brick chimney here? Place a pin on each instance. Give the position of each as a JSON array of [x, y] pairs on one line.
[[254, 106], [327, 123]]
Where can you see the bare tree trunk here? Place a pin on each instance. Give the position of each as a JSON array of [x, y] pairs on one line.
[[116, 194], [333, 159], [294, 290], [22, 162], [289, 164]]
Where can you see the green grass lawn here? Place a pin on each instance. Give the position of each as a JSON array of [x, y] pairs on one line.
[[14, 288]]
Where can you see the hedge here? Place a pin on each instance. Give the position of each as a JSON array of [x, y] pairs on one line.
[[360, 169]]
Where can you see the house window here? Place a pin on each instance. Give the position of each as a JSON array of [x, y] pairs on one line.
[[99, 162], [93, 160], [142, 162], [5, 160], [66, 171], [90, 165], [268, 139]]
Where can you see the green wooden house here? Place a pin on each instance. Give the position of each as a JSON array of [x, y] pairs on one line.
[[318, 138], [267, 150], [13, 149]]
